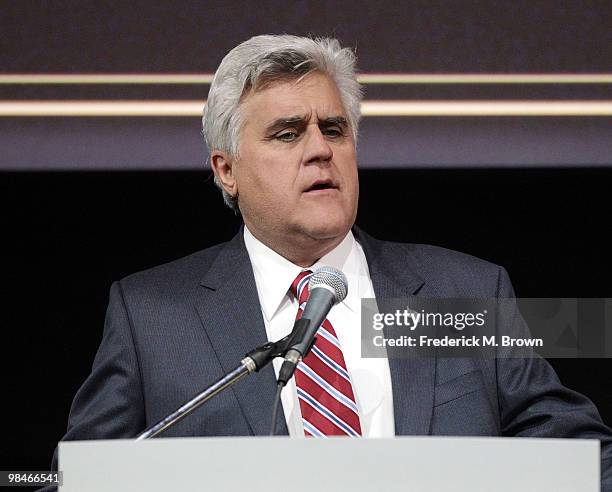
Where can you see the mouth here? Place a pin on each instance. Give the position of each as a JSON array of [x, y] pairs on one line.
[[321, 185]]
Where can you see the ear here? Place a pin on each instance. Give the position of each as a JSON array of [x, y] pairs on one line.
[[222, 166]]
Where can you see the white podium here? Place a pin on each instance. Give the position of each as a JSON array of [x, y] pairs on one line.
[[283, 464]]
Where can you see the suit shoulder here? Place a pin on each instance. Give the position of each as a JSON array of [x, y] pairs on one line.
[[430, 256], [457, 273], [446, 272], [183, 272]]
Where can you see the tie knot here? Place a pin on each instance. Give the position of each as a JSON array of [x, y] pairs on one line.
[[299, 287]]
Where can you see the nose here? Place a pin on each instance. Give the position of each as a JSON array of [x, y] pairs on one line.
[[317, 147]]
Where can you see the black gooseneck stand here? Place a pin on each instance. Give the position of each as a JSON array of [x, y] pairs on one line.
[[254, 361]]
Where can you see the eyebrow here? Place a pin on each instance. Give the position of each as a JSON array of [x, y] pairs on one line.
[[280, 123], [334, 120], [300, 121]]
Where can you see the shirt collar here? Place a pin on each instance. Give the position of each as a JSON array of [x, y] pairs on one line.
[[274, 273]]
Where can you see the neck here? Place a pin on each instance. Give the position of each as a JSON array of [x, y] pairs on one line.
[[304, 251], [305, 257]]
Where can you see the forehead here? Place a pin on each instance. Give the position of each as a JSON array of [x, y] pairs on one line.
[[314, 95]]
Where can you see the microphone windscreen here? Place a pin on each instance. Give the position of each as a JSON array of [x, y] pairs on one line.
[[330, 277]]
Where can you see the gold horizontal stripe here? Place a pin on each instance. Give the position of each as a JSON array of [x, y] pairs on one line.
[[369, 108], [365, 78], [101, 108], [486, 78], [487, 108], [106, 79]]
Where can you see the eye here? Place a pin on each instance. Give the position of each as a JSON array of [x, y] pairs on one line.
[[333, 132], [286, 136]]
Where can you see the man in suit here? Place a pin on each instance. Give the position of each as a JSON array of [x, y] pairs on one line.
[[281, 124]]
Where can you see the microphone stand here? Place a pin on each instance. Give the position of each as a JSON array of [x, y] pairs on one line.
[[254, 361]]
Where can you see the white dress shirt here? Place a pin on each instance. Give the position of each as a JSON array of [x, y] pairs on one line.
[[370, 377]]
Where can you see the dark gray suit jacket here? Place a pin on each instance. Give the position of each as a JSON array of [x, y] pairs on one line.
[[172, 330]]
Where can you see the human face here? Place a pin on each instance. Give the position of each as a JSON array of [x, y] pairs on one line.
[[296, 172]]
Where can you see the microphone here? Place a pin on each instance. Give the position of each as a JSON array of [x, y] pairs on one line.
[[327, 287]]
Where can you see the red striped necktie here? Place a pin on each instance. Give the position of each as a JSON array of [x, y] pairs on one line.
[[324, 387]]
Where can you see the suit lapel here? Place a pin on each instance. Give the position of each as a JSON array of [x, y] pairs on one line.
[[231, 315], [393, 273]]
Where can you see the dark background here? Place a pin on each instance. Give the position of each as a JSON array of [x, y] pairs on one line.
[[67, 236], [415, 36], [531, 194]]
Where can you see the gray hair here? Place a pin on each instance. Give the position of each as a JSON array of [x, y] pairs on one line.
[[261, 60]]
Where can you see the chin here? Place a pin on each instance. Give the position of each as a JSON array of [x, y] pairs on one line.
[[325, 222], [328, 228]]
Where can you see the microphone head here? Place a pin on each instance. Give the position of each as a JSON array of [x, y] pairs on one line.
[[332, 279]]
